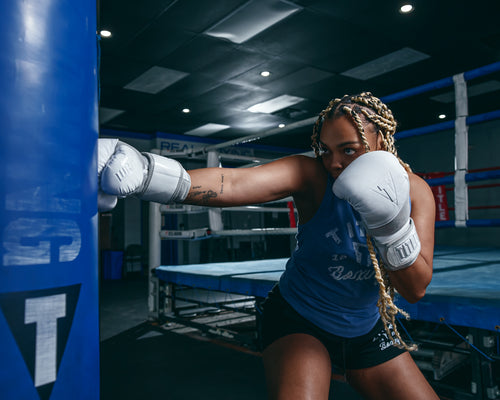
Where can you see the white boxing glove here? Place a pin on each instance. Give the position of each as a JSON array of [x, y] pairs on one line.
[[147, 176], [106, 148], [378, 188]]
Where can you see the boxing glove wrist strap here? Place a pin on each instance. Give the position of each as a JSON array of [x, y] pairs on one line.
[[166, 181], [400, 250]]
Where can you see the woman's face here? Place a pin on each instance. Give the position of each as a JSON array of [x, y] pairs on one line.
[[340, 143]]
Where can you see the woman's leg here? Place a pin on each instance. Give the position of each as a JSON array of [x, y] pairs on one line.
[[397, 379], [297, 367]]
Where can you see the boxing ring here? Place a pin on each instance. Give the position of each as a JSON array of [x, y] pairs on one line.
[[456, 324], [465, 289]]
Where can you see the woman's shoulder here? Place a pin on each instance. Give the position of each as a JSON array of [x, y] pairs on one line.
[[306, 163], [419, 189], [302, 159], [416, 180], [313, 178], [310, 170]]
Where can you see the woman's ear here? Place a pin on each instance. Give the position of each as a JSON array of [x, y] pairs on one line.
[[380, 142]]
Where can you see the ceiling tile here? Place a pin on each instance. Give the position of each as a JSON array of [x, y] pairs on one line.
[[197, 53], [196, 16], [233, 63], [155, 42], [305, 53], [302, 77]]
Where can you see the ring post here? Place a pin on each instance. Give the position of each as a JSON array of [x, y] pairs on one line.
[[49, 325], [461, 151]]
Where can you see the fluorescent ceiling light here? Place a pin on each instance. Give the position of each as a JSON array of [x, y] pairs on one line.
[[252, 18], [107, 114], [390, 62], [155, 79], [278, 103], [207, 129], [472, 90]]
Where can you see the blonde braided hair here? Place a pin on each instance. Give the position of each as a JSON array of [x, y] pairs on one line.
[[362, 109]]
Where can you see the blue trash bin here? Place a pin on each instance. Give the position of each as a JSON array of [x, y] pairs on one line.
[[112, 264]]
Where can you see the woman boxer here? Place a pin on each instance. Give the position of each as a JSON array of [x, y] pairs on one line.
[[366, 228]]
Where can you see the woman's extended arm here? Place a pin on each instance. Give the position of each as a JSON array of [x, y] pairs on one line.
[[123, 171], [222, 187]]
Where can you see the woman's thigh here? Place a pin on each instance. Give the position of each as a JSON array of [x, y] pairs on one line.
[[297, 366], [398, 379]]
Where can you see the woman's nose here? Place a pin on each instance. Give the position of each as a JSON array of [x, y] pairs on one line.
[[334, 162]]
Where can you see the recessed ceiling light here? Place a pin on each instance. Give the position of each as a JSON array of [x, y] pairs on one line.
[[281, 125], [265, 73], [405, 9], [105, 33], [442, 116], [186, 110]]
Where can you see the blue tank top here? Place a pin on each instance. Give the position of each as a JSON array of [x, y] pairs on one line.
[[329, 279]]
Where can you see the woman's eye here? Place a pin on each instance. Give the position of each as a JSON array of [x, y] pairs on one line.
[[349, 152]]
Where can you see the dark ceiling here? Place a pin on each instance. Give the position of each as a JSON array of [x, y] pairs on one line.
[[308, 54]]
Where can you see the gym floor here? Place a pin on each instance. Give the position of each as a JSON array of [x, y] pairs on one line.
[[141, 362]]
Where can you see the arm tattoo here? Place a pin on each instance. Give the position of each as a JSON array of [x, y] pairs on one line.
[[202, 196], [222, 184]]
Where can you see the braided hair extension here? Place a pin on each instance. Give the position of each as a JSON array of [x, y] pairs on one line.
[[358, 107], [362, 109]]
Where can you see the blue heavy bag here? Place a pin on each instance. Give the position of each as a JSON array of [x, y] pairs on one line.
[[49, 327]]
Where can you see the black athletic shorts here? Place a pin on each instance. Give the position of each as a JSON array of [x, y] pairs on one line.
[[280, 319]]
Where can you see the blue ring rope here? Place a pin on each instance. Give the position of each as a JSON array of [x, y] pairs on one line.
[[443, 126], [441, 83], [466, 341], [470, 177]]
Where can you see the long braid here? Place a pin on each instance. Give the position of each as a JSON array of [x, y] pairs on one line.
[[359, 124], [387, 309], [372, 110]]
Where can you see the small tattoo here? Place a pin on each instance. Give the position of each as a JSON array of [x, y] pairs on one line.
[[210, 194], [222, 184], [203, 195]]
